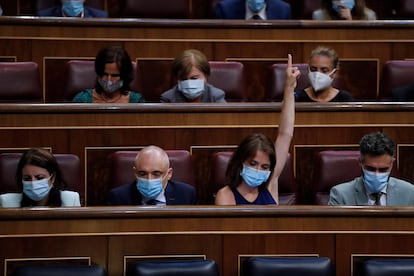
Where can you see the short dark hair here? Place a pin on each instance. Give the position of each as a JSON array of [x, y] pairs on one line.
[[118, 55], [376, 144]]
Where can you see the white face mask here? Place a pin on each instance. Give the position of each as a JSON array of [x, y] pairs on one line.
[[320, 81], [191, 89]]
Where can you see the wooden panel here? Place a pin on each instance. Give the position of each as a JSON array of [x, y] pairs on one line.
[[115, 237], [18, 251], [156, 247]]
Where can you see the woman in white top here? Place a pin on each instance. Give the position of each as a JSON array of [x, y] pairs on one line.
[[41, 181], [344, 10]]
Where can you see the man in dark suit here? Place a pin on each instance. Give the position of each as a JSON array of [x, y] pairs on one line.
[[72, 8], [153, 185], [252, 9]]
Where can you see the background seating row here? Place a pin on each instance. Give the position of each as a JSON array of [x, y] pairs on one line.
[[229, 76], [397, 9], [282, 266], [331, 168]]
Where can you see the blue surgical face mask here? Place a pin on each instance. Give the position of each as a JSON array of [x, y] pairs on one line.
[[256, 5], [191, 89], [36, 190], [348, 3], [254, 177], [109, 86], [72, 7], [150, 188], [375, 182]]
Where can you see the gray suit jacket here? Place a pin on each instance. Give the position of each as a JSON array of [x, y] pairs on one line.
[[211, 95], [399, 193]]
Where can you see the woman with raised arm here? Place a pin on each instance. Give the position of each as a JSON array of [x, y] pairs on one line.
[[253, 171]]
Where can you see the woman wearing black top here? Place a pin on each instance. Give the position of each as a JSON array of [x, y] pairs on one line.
[[323, 69]]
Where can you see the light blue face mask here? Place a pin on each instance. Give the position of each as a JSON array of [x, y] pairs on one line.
[[254, 177], [191, 89], [109, 86], [348, 3], [36, 190], [374, 181], [72, 8], [256, 5], [150, 188]]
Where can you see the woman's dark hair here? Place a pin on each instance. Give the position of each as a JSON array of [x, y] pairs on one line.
[[44, 159], [185, 60], [248, 149], [358, 12], [118, 55]]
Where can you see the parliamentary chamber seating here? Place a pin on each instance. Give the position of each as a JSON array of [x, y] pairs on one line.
[[388, 267], [287, 182], [60, 270], [80, 75], [202, 9], [122, 162], [205, 267], [396, 74], [13, 89], [288, 266], [333, 167], [70, 165]]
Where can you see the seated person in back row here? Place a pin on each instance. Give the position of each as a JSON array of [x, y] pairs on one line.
[[375, 186], [323, 69], [41, 181], [153, 185], [72, 8], [344, 10], [191, 70], [252, 9], [114, 72]]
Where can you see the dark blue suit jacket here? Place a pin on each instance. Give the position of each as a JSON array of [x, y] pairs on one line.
[[87, 12], [176, 193], [236, 9]]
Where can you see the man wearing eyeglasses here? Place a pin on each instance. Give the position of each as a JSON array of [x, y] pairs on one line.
[[375, 186]]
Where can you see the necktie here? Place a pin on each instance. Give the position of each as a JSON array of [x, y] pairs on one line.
[[377, 197], [256, 17]]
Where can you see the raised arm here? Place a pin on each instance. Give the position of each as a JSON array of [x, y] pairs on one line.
[[286, 125]]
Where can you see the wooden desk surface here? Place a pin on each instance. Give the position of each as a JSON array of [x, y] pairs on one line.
[[116, 237]]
